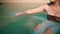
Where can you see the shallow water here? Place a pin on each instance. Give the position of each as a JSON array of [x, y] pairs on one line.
[[11, 24]]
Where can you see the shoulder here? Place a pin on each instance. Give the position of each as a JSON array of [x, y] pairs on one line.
[[44, 6]]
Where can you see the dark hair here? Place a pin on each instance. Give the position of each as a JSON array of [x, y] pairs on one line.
[[1, 3], [51, 3]]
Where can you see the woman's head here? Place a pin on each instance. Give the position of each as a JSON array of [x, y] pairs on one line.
[[53, 0]]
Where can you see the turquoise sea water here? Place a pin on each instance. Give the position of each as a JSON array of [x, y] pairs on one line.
[[11, 24]]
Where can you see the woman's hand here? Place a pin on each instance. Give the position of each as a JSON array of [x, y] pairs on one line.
[[18, 13]]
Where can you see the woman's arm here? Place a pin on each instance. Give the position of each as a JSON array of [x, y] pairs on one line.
[[32, 11]]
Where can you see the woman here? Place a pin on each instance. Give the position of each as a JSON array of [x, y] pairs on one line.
[[52, 24]]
